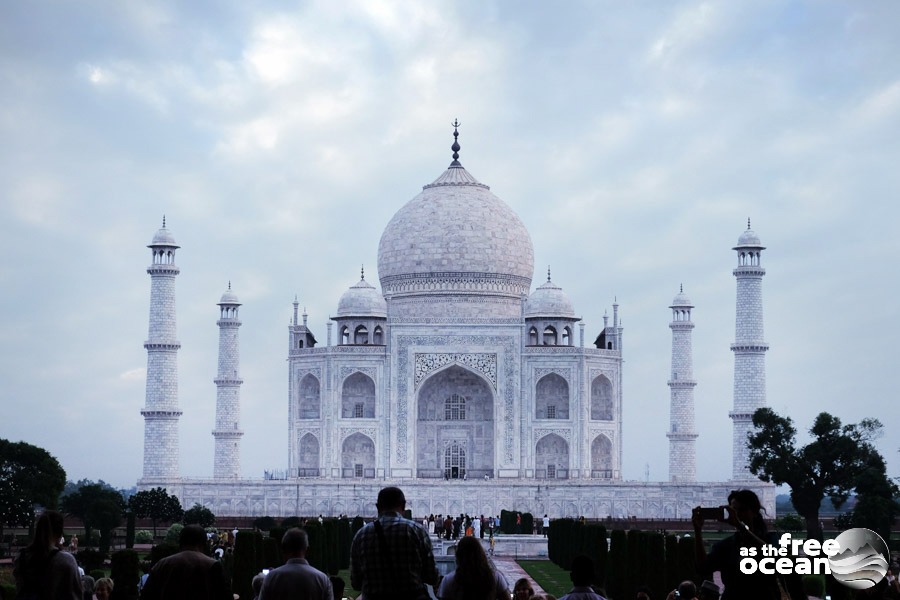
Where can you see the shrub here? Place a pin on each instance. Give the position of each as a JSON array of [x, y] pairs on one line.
[[129, 529], [617, 565], [125, 571], [814, 585], [264, 523], [790, 523], [90, 560], [142, 536], [160, 551], [271, 553], [245, 563], [291, 522], [174, 533], [199, 515]]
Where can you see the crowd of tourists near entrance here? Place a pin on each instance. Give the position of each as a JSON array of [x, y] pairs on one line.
[[392, 558]]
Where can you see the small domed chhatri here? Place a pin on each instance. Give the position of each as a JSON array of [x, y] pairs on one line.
[[681, 299], [549, 300], [163, 237], [748, 238], [229, 297], [362, 300]]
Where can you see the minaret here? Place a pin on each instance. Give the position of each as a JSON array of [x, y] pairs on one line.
[[749, 349], [682, 435], [227, 462], [160, 411]]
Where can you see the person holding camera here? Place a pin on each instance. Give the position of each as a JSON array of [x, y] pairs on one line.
[[744, 513], [686, 590]]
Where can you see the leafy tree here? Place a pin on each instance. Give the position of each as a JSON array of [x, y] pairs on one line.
[[200, 515], [875, 505], [157, 505], [790, 523], [97, 506], [830, 465], [29, 476], [265, 523]]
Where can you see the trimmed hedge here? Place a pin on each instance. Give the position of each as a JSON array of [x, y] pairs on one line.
[[508, 522], [126, 572], [246, 563]]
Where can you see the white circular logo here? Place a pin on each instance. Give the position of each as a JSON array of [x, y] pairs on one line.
[[863, 559]]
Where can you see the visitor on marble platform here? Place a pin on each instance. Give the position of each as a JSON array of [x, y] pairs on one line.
[[582, 574], [545, 525], [474, 578], [296, 578], [188, 575], [448, 527], [439, 526], [392, 558]]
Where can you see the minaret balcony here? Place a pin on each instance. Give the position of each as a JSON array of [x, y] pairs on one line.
[[682, 437], [227, 433], [162, 345], [163, 269], [749, 270], [682, 383], [740, 416], [760, 347], [161, 414], [228, 381]]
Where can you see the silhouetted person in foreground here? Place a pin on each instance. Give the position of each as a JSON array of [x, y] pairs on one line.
[[296, 578], [582, 574], [41, 570], [391, 558], [188, 575]]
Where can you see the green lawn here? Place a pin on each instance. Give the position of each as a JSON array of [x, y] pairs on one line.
[[349, 591], [548, 575]]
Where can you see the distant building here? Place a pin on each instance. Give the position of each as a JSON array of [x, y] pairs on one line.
[[453, 380]]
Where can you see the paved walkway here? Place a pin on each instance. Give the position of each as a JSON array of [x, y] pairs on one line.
[[513, 572]]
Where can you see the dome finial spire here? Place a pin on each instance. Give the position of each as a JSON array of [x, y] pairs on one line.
[[548, 273], [748, 223], [455, 147], [229, 285], [362, 271], [680, 288], [164, 222]]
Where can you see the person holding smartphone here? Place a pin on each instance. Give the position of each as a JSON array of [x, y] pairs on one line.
[[744, 513]]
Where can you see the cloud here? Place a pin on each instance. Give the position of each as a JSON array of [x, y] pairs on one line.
[[134, 375]]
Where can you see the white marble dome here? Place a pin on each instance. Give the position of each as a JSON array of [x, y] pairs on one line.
[[362, 300], [549, 300], [455, 236]]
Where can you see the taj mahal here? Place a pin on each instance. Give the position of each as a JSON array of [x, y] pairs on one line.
[[449, 376]]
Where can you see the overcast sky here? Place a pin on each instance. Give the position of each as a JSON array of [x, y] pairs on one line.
[[633, 139]]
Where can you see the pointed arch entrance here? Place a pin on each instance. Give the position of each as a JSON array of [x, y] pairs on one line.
[[455, 425]]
